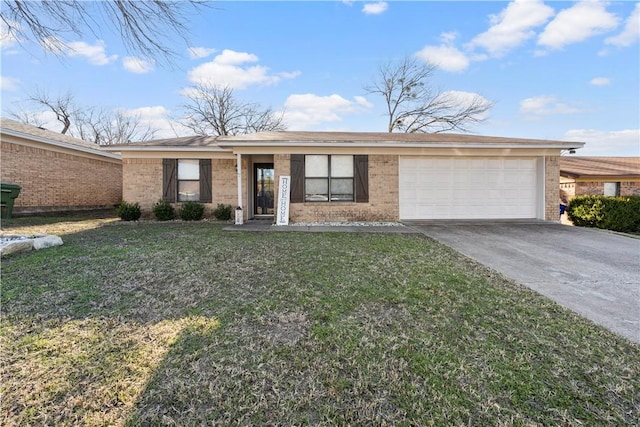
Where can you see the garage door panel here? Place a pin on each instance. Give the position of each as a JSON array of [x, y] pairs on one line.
[[467, 188]]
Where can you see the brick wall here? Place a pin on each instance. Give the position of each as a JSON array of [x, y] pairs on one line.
[[552, 188], [595, 188], [630, 188], [383, 195], [142, 183], [57, 181]]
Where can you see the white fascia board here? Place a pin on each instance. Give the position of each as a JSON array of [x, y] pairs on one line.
[[27, 136], [307, 144]]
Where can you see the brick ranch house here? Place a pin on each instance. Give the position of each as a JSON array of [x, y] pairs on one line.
[[57, 172], [606, 176], [342, 176]]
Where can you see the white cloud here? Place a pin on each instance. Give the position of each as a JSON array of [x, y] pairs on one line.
[[512, 26], [446, 56], [600, 81], [606, 143], [362, 101], [158, 117], [577, 23], [375, 8], [9, 84], [95, 54], [545, 105], [8, 38], [464, 99], [137, 65], [631, 32], [303, 111], [200, 52], [231, 68]]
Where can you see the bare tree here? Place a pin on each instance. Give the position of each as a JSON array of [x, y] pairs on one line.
[[414, 105], [62, 106], [146, 27], [214, 110], [120, 127], [89, 123]]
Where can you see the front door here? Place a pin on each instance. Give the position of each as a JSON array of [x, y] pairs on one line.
[[264, 187]]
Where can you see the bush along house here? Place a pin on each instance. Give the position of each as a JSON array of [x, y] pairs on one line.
[[348, 176]]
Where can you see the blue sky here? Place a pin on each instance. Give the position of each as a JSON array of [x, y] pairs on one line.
[[555, 70]]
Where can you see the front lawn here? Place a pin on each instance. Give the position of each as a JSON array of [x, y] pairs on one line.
[[185, 324]]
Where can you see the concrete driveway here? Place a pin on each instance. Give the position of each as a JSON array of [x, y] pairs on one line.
[[593, 272]]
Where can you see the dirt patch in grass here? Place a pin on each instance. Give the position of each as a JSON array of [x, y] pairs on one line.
[[59, 224], [185, 324]]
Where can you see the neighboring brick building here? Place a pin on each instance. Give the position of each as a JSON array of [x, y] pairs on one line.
[[608, 176], [348, 176], [57, 172]]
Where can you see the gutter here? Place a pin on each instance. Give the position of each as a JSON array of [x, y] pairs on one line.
[[75, 147]]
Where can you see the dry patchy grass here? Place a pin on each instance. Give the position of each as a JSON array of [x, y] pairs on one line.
[[184, 324]]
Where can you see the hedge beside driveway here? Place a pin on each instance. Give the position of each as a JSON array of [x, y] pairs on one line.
[[610, 213]]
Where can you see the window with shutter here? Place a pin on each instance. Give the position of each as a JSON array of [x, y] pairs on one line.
[[187, 179], [297, 178], [169, 181]]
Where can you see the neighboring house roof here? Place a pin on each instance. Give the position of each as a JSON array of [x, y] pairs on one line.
[[599, 167], [34, 133], [348, 139]]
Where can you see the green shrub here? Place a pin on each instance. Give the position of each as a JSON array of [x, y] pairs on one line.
[[610, 213], [585, 211], [622, 214], [163, 210], [128, 211], [222, 212], [191, 211]]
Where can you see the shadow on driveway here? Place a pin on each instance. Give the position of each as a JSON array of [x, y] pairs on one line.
[[593, 272]]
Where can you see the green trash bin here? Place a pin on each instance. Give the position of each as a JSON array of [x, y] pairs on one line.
[[10, 192]]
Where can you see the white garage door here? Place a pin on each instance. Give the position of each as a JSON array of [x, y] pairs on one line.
[[467, 188]]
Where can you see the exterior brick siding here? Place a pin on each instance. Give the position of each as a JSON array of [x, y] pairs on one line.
[[57, 181], [383, 202], [594, 188], [552, 188], [142, 183]]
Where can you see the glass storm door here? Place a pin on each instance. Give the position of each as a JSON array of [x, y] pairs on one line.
[[264, 187]]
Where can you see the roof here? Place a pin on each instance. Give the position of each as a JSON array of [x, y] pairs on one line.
[[34, 133], [346, 139], [198, 143], [581, 167], [380, 139]]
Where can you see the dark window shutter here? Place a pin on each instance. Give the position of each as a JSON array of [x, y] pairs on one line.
[[362, 178], [206, 195], [297, 178], [169, 179]]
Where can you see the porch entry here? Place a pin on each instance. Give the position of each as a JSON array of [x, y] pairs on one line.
[[264, 186]]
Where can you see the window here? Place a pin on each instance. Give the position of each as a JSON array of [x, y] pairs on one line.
[[187, 179], [329, 178], [611, 188], [360, 177]]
